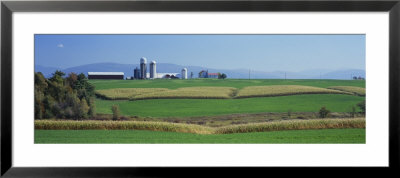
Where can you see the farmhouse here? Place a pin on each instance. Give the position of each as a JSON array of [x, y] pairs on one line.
[[106, 75]]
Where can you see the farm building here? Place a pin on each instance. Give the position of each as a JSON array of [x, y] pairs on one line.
[[206, 74], [184, 73], [106, 75], [203, 74], [212, 75], [136, 73]]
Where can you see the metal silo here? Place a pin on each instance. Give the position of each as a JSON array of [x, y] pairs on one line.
[[153, 72], [136, 73], [184, 73], [143, 67]]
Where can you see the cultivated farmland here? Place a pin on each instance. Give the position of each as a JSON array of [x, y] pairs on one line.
[[282, 90], [235, 83], [219, 92], [126, 93], [212, 107], [356, 90], [145, 136], [192, 128], [190, 92], [211, 110]]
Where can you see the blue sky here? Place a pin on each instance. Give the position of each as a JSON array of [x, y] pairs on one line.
[[257, 52]]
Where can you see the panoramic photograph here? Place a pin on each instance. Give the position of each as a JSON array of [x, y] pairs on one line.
[[199, 89]]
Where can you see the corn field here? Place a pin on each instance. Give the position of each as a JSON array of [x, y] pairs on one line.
[[293, 125], [197, 129]]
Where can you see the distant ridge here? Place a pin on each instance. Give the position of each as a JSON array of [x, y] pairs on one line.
[[344, 74]]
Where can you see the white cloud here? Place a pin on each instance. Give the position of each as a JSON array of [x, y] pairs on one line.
[[60, 45]]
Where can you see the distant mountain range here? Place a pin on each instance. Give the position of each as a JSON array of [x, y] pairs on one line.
[[344, 74]]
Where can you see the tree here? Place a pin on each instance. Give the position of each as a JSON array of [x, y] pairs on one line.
[[92, 108], [48, 102], [323, 112], [223, 76], [57, 77], [40, 82], [84, 109], [361, 105], [71, 97], [115, 111], [72, 80], [39, 107]]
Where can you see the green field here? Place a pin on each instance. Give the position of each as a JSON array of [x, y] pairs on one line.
[[236, 83], [210, 107], [144, 136], [182, 110]]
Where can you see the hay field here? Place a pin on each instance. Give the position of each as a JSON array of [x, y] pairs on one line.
[[190, 93], [126, 93], [282, 90], [356, 90], [218, 92], [165, 93]]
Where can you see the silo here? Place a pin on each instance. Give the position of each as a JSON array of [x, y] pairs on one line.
[[153, 72], [143, 68], [184, 73], [136, 73]]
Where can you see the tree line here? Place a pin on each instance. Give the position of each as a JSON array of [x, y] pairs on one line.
[[70, 97]]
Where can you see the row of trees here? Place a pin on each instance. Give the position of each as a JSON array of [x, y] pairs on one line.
[[70, 97], [323, 112]]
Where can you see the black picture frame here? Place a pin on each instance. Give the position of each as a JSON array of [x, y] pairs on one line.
[[8, 7]]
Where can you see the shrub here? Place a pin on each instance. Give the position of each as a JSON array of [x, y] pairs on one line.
[[361, 105], [115, 111], [323, 112], [353, 111]]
